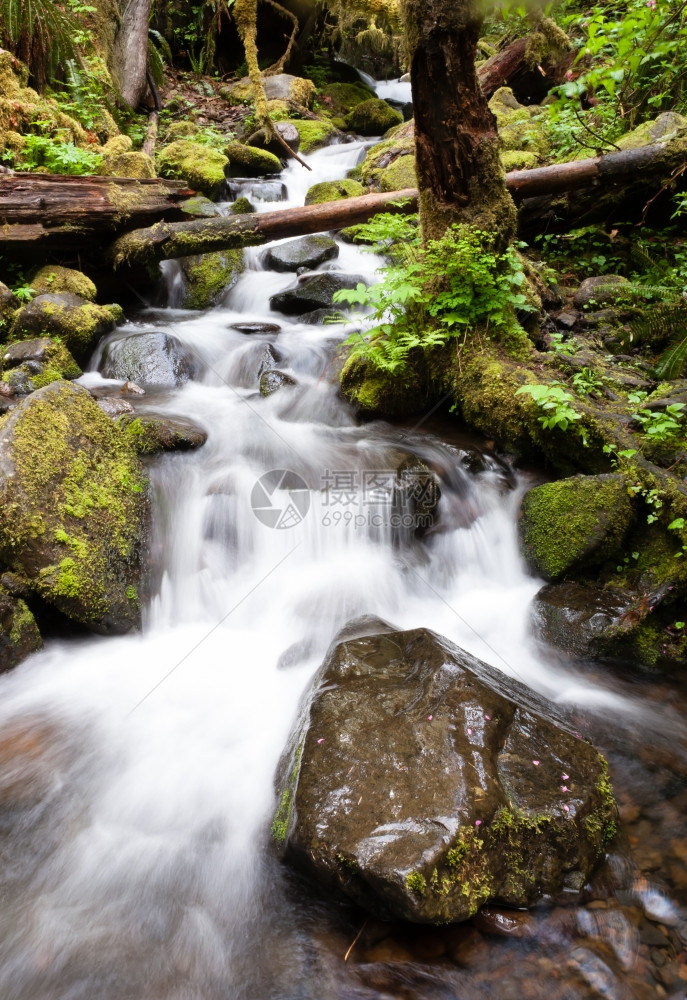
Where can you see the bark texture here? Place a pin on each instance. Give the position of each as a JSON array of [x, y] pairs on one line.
[[460, 176], [130, 54]]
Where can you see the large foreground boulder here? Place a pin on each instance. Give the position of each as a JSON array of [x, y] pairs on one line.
[[423, 783], [73, 507]]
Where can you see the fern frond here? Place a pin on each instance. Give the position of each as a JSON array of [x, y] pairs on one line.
[[162, 44], [662, 323], [155, 63], [671, 364]]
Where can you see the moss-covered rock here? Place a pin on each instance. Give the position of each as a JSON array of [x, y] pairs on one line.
[[399, 142], [183, 129], [63, 279], [209, 275], [242, 206], [73, 507], [575, 524], [325, 191], [40, 361], [280, 87], [667, 126], [515, 159], [200, 206], [373, 117], [201, 167], [314, 134], [78, 324], [9, 304], [340, 98], [132, 164], [375, 393], [249, 161], [19, 635], [399, 175], [521, 128], [151, 433], [422, 783]]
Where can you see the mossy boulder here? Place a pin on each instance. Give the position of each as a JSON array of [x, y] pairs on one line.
[[280, 87], [135, 164], [516, 159], [36, 363], [667, 126], [378, 393], [249, 161], [9, 304], [340, 98], [78, 324], [73, 507], [575, 524], [242, 206], [399, 142], [373, 117], [423, 784], [201, 167], [151, 433], [200, 206], [63, 279], [602, 290], [325, 191], [209, 275], [399, 175], [521, 128], [183, 129], [314, 134], [19, 635]]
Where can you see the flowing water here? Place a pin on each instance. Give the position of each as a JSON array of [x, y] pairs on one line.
[[136, 774]]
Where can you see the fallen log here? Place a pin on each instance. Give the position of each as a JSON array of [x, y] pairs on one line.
[[68, 213], [164, 240], [530, 81]]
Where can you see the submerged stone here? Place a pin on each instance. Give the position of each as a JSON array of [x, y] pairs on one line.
[[423, 783], [149, 359], [271, 381], [255, 327], [19, 635], [307, 251]]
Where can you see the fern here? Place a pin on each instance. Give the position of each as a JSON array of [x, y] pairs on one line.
[[672, 363], [663, 323], [41, 33]]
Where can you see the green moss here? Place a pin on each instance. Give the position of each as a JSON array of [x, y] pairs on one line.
[[242, 206], [520, 128], [417, 883], [399, 142], [282, 817], [250, 161], [314, 134], [200, 166], [373, 117], [77, 326], [63, 279], [399, 175], [24, 631], [513, 159], [209, 275], [575, 523], [340, 98], [325, 191]]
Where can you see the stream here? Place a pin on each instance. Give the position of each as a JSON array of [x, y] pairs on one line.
[[136, 773]]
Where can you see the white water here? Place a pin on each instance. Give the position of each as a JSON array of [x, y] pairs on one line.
[[135, 841]]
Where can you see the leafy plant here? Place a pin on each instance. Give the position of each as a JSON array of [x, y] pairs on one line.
[[661, 425], [41, 33], [562, 344], [587, 381], [433, 293], [555, 403], [24, 293], [58, 157]]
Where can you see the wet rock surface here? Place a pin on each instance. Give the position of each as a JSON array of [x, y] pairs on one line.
[[586, 622], [271, 381], [149, 359], [423, 783], [154, 433], [76, 322], [307, 251], [19, 635], [314, 292]]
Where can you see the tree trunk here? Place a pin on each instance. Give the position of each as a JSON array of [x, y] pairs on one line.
[[460, 176], [130, 54]]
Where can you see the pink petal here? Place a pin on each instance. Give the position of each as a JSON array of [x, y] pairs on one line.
[[321, 739], [478, 822], [536, 763], [565, 777], [567, 808], [469, 732], [488, 718], [429, 718], [564, 788]]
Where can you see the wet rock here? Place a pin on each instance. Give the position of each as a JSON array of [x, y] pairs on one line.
[[209, 275], [315, 134], [268, 358], [131, 389], [504, 923], [323, 317], [77, 323], [315, 292], [73, 507], [289, 134], [307, 251], [153, 433], [249, 161], [19, 635], [256, 327], [115, 406], [602, 290], [271, 381], [585, 622], [53, 358], [372, 117], [340, 98], [422, 783], [417, 493], [242, 206], [201, 167], [63, 279], [326, 191], [574, 524], [149, 359]]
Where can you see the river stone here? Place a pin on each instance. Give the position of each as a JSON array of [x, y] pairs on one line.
[[115, 406], [9, 304], [50, 354], [417, 494], [268, 357], [308, 251], [271, 381], [423, 783], [314, 292], [255, 327], [601, 291], [149, 359], [154, 433], [288, 132], [73, 507], [574, 524], [19, 635], [76, 322]]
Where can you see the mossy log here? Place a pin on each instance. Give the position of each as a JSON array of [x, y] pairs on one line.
[[165, 241], [65, 213], [519, 67]]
